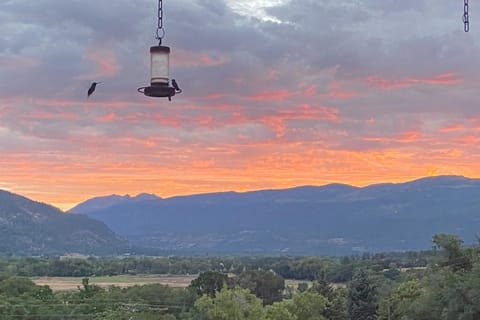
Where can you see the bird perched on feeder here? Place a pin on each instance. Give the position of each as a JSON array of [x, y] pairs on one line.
[[92, 88], [175, 86]]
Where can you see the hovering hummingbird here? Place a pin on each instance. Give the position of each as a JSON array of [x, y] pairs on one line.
[[92, 88]]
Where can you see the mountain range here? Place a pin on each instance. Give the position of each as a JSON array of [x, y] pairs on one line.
[[32, 228], [330, 219]]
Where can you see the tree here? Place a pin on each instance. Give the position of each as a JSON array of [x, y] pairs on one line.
[[362, 297], [308, 268], [281, 311], [450, 295], [159, 295], [392, 273], [16, 286], [454, 256], [398, 304], [309, 306], [43, 293], [209, 283], [231, 304], [336, 298], [323, 288], [266, 285], [89, 290], [336, 307]]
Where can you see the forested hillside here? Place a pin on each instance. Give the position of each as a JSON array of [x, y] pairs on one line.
[[30, 227]]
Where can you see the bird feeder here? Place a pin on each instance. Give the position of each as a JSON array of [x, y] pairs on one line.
[[159, 67], [159, 79]]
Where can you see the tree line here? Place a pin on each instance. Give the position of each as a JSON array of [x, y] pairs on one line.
[[446, 287], [333, 269]]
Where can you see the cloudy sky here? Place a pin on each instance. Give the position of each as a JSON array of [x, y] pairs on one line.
[[276, 93]]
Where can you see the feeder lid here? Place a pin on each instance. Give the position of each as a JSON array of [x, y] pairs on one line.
[[159, 49]]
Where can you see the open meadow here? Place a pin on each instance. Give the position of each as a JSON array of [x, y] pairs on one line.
[[72, 283], [123, 281]]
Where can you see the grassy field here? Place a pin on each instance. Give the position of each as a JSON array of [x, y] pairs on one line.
[[294, 283], [72, 283]]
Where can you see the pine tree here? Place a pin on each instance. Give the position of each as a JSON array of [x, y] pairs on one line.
[[362, 297]]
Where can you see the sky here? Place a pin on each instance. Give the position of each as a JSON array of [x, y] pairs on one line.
[[276, 94]]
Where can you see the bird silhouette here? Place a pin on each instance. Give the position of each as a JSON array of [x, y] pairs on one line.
[[175, 86], [92, 88]]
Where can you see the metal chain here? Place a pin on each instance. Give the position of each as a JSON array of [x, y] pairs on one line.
[[160, 30], [466, 22]]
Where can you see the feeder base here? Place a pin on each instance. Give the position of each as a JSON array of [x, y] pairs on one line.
[[158, 91]]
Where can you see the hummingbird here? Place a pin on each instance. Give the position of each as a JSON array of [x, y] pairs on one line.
[[175, 86], [92, 88]]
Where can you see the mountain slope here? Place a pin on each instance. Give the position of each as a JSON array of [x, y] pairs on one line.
[[331, 219], [29, 227]]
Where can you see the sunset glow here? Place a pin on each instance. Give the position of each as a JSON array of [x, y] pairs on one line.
[[276, 94]]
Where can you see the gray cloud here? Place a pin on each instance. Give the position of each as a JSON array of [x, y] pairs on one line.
[[51, 48]]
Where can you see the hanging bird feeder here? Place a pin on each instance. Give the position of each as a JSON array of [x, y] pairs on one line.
[[159, 66]]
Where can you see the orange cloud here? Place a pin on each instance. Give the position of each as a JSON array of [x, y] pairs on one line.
[[274, 95], [452, 128], [443, 79], [475, 122], [334, 92], [340, 95], [170, 121], [392, 84], [277, 121], [139, 117], [204, 121], [109, 117], [469, 140], [403, 137], [313, 112], [214, 96], [44, 115], [408, 136], [105, 62]]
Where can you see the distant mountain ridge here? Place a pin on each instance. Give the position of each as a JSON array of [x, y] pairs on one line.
[[330, 219], [104, 202], [29, 227]]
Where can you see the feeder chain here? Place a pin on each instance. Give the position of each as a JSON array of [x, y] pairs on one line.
[[160, 30], [466, 20]]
